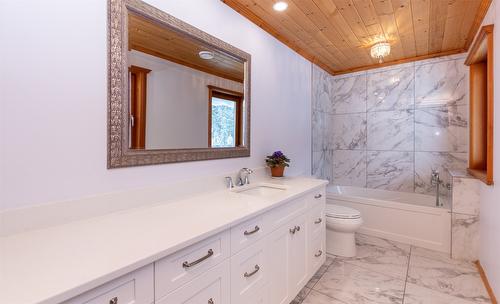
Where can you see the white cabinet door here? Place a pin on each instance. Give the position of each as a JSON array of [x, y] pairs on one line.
[[297, 251], [212, 287], [277, 255]]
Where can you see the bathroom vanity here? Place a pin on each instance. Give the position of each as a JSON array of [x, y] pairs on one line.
[[259, 243]]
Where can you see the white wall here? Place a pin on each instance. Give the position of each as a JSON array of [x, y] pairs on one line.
[[53, 100], [177, 102], [490, 195]]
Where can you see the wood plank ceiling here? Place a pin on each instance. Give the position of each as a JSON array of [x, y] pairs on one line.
[[157, 40], [337, 34]]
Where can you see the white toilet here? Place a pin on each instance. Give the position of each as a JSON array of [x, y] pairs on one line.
[[341, 224]]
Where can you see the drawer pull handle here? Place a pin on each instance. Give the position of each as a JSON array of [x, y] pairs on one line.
[[257, 228], [320, 252], [247, 275], [318, 196], [211, 301], [186, 264], [318, 221], [294, 229], [113, 300]]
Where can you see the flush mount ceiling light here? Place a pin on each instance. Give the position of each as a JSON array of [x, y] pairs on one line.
[[280, 6], [207, 55], [380, 50]]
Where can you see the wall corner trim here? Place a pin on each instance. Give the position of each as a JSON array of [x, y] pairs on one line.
[[485, 282]]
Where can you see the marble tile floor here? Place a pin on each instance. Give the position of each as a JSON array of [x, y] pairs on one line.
[[390, 272]]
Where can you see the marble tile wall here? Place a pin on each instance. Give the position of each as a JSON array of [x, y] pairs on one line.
[[464, 216], [388, 128]]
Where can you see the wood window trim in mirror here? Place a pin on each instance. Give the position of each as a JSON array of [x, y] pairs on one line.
[[228, 95], [480, 62], [138, 93], [119, 152]]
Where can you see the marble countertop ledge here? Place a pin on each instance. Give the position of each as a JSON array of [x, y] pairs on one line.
[[51, 265], [460, 173]]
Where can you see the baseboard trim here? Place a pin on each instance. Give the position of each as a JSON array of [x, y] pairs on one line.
[[486, 283]]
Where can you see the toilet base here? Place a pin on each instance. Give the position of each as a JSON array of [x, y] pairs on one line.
[[341, 243]]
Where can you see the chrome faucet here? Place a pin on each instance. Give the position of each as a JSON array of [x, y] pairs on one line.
[[243, 176], [436, 181], [229, 182]]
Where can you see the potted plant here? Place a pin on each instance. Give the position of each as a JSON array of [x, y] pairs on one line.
[[277, 162]]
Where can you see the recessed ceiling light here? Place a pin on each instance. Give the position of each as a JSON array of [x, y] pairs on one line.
[[280, 6], [207, 55]]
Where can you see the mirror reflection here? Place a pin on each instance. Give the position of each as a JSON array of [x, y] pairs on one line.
[[183, 93]]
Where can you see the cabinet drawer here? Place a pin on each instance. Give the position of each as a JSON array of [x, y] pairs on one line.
[[133, 288], [281, 215], [316, 221], [316, 253], [248, 233], [181, 267], [212, 287], [248, 273], [316, 197]]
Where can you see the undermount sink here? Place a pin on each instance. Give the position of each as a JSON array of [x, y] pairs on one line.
[[263, 190]]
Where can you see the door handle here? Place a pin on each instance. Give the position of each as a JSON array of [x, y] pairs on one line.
[[318, 221], [318, 196], [320, 252]]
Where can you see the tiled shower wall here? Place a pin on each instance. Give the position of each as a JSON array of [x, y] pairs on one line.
[[388, 128]]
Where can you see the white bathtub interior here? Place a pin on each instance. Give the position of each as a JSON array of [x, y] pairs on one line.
[[404, 217]]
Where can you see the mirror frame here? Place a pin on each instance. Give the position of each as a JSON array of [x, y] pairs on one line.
[[119, 153]]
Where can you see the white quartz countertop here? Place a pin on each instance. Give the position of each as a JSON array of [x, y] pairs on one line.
[[55, 264]]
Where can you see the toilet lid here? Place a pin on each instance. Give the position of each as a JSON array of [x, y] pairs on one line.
[[342, 212]]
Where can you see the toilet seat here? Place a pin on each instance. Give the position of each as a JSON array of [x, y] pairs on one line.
[[341, 212]]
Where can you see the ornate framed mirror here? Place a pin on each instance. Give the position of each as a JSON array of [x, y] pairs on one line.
[[175, 93]]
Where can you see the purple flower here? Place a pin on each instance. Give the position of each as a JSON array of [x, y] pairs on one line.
[[278, 154]]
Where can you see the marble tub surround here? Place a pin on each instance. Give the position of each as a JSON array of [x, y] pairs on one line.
[[425, 162], [390, 130], [349, 95], [441, 83], [390, 170], [428, 277], [348, 167], [346, 132], [420, 108], [60, 262], [442, 129], [391, 89], [465, 236], [465, 198]]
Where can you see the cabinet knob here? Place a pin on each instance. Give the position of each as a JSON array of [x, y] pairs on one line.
[[318, 221], [320, 252], [211, 301], [297, 227], [113, 300], [318, 196]]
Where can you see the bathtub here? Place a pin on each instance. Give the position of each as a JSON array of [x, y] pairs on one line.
[[404, 217]]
